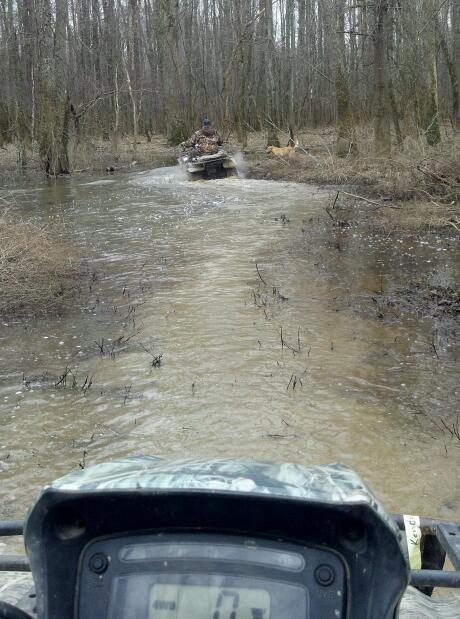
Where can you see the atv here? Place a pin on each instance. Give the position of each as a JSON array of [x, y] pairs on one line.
[[204, 167]]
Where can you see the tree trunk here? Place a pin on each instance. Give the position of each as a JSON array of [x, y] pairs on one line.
[[382, 135], [46, 95], [395, 111], [346, 137], [451, 70], [61, 94], [270, 88], [456, 56], [433, 132]]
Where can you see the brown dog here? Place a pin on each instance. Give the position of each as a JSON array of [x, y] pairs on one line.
[[285, 151]]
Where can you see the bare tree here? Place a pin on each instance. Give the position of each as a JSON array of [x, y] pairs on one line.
[[433, 134], [381, 101], [346, 135], [456, 57]]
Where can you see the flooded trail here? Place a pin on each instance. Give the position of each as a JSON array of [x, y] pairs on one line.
[[218, 321]]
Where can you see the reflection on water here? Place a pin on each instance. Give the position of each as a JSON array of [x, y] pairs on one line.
[[179, 347]]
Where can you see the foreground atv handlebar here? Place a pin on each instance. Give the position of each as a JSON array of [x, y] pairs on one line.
[[439, 538]]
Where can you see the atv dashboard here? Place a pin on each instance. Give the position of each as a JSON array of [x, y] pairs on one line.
[[208, 577], [148, 539]]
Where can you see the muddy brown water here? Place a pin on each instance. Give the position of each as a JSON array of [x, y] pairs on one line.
[[191, 352]]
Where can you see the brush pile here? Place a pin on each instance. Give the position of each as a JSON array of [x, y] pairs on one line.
[[37, 273]]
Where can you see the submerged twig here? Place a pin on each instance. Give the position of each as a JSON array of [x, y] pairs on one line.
[[286, 344], [261, 278]]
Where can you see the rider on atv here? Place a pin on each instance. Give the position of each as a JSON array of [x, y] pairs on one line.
[[205, 141]]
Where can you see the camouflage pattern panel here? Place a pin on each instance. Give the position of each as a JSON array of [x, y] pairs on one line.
[[332, 483], [207, 145], [204, 142], [192, 141]]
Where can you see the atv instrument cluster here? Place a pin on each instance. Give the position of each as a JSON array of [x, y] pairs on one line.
[[205, 576]]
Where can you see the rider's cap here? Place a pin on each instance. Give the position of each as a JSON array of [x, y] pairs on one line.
[[206, 122]]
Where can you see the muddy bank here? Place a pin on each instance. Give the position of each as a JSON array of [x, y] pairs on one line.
[[404, 233], [412, 168], [387, 206]]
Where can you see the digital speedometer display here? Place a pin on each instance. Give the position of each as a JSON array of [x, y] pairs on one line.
[[171, 601], [203, 576], [205, 596]]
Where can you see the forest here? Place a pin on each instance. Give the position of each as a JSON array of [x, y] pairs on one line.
[[111, 68]]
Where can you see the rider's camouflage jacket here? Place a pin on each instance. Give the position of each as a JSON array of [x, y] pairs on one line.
[[205, 141]]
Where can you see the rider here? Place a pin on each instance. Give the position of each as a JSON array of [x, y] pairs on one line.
[[205, 141]]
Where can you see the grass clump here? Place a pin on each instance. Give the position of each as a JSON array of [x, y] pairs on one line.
[[38, 274]]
